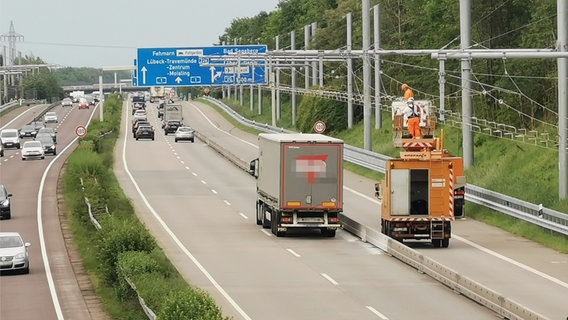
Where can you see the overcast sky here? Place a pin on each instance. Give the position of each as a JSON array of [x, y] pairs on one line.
[[99, 33]]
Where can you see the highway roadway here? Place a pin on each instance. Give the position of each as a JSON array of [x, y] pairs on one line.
[[50, 290], [201, 208]]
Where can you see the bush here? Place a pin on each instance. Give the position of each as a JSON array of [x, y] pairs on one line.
[[131, 264], [118, 236], [189, 304]]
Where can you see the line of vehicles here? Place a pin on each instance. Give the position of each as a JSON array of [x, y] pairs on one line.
[[170, 113], [44, 138]]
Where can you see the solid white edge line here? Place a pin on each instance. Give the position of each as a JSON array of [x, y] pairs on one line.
[[173, 236], [41, 235]]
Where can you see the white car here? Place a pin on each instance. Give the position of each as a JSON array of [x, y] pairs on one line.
[[14, 253], [10, 138], [140, 115], [32, 149], [185, 133], [66, 102], [50, 117]]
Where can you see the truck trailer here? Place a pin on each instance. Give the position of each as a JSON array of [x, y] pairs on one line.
[[299, 182], [423, 190]]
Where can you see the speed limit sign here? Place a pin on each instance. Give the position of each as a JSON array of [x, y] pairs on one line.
[[81, 131], [319, 127]]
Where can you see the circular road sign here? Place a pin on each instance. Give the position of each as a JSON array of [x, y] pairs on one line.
[[81, 131], [319, 127]]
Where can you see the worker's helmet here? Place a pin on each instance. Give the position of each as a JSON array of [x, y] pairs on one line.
[[404, 86], [410, 100]]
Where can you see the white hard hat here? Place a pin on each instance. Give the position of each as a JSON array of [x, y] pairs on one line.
[[411, 99]]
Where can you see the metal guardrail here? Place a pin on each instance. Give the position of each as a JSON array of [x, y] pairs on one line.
[[485, 296], [529, 212]]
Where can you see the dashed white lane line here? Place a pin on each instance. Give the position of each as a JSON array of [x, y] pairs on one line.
[[380, 315], [293, 253], [243, 215], [328, 278]]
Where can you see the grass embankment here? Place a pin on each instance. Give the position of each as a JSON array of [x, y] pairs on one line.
[[123, 247], [520, 170]]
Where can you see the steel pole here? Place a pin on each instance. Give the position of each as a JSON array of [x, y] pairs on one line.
[[562, 15], [367, 139]]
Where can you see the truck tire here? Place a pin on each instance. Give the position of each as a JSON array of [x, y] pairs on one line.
[[436, 243], [445, 243], [327, 233], [274, 224], [265, 222], [258, 213]]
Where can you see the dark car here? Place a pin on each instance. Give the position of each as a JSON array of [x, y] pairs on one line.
[[28, 131], [138, 123], [144, 132], [37, 124], [172, 126], [5, 211], [50, 131], [47, 143]]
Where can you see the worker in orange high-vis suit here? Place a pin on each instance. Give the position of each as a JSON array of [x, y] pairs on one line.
[[412, 114], [408, 93]]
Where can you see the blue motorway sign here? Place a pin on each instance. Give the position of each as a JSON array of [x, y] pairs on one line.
[[219, 65]]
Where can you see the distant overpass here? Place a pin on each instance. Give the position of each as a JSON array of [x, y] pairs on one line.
[[107, 87]]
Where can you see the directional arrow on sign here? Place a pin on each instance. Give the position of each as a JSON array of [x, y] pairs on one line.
[[214, 75], [178, 80], [144, 74]]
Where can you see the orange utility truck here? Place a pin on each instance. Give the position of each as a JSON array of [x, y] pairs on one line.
[[419, 191]]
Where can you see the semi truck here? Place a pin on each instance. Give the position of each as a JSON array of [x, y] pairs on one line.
[[299, 182], [157, 94], [423, 190]]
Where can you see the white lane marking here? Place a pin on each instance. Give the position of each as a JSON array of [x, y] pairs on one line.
[[511, 261], [187, 167], [380, 315], [329, 279], [495, 254], [225, 132], [266, 232], [194, 174], [243, 215], [293, 253], [203, 181], [174, 237], [227, 202], [41, 236], [214, 191]]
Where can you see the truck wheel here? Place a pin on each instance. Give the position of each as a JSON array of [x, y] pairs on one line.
[[265, 222], [436, 243], [274, 223], [445, 243], [327, 232], [258, 213]]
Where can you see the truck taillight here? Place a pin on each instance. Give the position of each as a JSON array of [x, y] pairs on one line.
[[286, 220], [328, 204], [333, 220]]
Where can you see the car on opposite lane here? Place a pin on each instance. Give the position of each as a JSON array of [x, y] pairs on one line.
[[10, 138], [47, 143], [184, 133], [32, 149], [66, 102], [28, 131], [50, 117], [14, 253], [5, 207], [83, 104], [52, 132]]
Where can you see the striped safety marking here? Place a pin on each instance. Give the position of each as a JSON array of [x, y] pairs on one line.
[[417, 144], [451, 184], [424, 219]]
